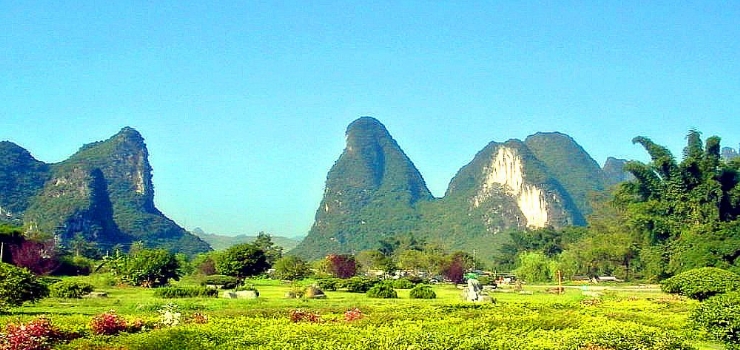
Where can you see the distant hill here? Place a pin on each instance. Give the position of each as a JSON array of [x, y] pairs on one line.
[[373, 191], [223, 242], [103, 192]]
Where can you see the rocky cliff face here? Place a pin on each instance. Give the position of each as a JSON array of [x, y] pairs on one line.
[[104, 192], [510, 172], [21, 178], [371, 191], [614, 171]]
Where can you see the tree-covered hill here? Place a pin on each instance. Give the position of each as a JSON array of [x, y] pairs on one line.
[[103, 192]]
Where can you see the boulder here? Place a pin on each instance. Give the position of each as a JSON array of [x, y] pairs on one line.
[[313, 292]]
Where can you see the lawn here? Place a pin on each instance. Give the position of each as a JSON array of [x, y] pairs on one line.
[[619, 318]]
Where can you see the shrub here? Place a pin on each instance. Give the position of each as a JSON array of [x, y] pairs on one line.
[[226, 282], [37, 334], [702, 283], [185, 292], [403, 283], [382, 291], [17, 286], [353, 315], [720, 316], [329, 283], [70, 289], [422, 292], [108, 323], [299, 315], [359, 284]]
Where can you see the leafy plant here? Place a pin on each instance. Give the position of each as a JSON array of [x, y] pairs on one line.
[[242, 260], [38, 334], [403, 283], [720, 316], [185, 292], [353, 315], [300, 315], [17, 286], [329, 283], [421, 291], [226, 282], [382, 291], [108, 323], [359, 284], [702, 283], [70, 289]]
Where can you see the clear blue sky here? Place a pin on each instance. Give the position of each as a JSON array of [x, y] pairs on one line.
[[244, 104]]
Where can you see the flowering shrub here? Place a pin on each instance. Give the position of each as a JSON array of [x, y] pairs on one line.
[[169, 315], [108, 323], [198, 318], [352, 315], [302, 315], [37, 334]]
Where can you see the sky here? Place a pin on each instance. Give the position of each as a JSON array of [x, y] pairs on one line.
[[243, 105]]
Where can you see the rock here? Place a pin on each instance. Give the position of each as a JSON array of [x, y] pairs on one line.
[[473, 291], [228, 295], [313, 292], [247, 294]]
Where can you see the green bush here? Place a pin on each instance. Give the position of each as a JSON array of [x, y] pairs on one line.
[[226, 282], [403, 283], [18, 285], [185, 292], [70, 289], [702, 283], [329, 283], [382, 291], [720, 316], [422, 292], [359, 284]]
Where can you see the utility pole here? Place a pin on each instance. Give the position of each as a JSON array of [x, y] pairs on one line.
[[2, 247]]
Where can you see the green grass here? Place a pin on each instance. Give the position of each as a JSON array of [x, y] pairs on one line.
[[621, 319]]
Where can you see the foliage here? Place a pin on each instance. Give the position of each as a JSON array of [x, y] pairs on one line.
[[170, 315], [243, 260], [331, 283], [681, 206], [353, 315], [421, 291], [185, 292], [17, 286], [702, 283], [533, 267], [359, 284], [41, 257], [720, 316], [37, 334], [108, 323], [70, 289], [454, 268], [291, 268], [300, 315], [403, 283], [146, 267], [272, 251], [227, 282], [341, 266], [382, 291]]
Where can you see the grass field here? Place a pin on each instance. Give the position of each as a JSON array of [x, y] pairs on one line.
[[620, 318]]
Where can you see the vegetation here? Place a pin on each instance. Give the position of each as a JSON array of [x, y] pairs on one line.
[[422, 291], [185, 292], [702, 283], [382, 291], [145, 267], [70, 289], [17, 286], [720, 316], [243, 260], [291, 268]]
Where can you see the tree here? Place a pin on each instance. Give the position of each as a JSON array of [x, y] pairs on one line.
[[149, 268], [533, 267], [242, 260], [341, 266], [18, 285], [41, 257], [272, 252], [677, 207], [291, 268]]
